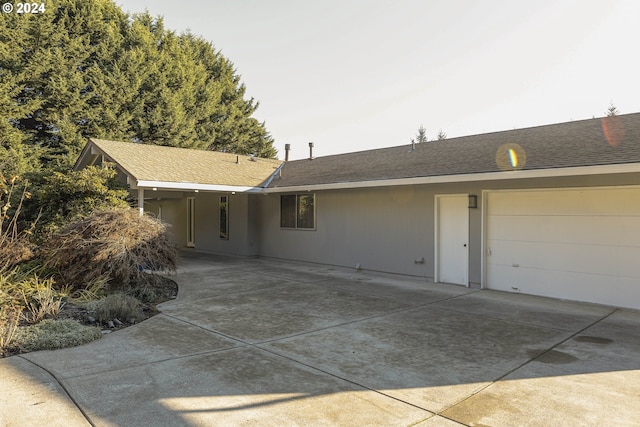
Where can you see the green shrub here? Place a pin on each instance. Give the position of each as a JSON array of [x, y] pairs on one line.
[[118, 306], [54, 334], [74, 194], [156, 290], [145, 293]]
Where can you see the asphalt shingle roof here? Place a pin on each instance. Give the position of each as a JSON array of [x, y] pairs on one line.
[[593, 142], [605, 141], [169, 164]]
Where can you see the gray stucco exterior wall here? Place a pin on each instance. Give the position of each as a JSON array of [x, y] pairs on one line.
[[242, 229], [388, 228], [383, 229]]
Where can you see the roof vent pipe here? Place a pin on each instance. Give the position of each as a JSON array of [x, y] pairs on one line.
[[287, 148], [311, 151]]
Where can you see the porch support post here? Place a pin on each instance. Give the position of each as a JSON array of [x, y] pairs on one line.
[[141, 201]]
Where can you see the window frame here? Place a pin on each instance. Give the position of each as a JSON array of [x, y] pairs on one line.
[[223, 206], [191, 222], [297, 211]]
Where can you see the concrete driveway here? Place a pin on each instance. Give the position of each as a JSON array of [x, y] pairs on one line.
[[269, 343]]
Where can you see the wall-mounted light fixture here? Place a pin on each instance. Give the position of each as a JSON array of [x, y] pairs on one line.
[[473, 201]]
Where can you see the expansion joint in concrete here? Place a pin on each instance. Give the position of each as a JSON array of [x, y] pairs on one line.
[[62, 386], [531, 359]]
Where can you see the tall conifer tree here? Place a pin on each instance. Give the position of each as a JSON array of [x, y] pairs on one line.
[[87, 69]]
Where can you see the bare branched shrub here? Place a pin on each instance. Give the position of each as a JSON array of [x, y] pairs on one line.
[[118, 244], [15, 246]]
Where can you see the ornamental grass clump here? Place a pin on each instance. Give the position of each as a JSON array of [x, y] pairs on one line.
[[40, 299], [10, 314], [118, 306], [25, 298], [119, 245]]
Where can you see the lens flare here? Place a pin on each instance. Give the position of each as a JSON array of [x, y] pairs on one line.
[[613, 130], [511, 157]]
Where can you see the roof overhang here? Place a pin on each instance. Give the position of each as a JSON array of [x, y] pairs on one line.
[[475, 177], [192, 186]]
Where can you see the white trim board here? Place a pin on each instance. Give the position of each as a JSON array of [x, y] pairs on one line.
[[191, 186], [472, 177]]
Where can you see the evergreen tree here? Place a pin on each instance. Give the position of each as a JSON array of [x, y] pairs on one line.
[[421, 136], [87, 69], [441, 135], [63, 197], [612, 110]]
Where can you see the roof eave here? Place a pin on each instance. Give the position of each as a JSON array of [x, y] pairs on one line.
[[192, 186], [92, 147], [473, 177]]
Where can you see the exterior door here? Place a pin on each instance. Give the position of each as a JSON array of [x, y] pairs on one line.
[[452, 239]]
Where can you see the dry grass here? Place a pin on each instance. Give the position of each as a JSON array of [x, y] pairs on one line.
[[54, 334], [118, 244], [9, 318]]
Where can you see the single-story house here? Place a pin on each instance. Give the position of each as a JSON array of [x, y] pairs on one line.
[[550, 210]]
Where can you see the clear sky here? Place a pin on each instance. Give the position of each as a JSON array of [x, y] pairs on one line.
[[353, 75]]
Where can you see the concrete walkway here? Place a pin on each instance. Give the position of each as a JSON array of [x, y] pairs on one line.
[[269, 343]]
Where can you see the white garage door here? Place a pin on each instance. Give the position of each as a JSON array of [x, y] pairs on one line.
[[578, 244]]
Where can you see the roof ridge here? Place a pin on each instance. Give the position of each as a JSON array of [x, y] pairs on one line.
[[580, 143], [190, 150], [474, 135]]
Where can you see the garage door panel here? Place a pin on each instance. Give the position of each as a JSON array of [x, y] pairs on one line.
[[600, 260], [579, 244], [600, 201], [591, 287], [557, 229]]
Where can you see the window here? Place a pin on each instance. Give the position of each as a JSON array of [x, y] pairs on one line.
[[224, 217], [191, 222], [298, 211]]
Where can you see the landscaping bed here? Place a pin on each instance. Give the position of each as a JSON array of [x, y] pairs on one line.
[[78, 321], [78, 279]]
